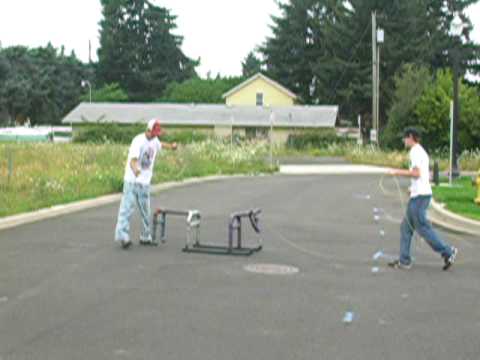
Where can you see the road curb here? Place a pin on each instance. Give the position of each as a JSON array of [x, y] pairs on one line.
[[453, 222], [437, 212], [343, 169], [58, 210]]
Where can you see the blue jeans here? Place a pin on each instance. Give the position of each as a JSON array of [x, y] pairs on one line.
[[139, 195], [416, 220]]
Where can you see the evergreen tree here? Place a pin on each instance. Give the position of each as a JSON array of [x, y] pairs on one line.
[[138, 49], [322, 49], [291, 51], [251, 65]]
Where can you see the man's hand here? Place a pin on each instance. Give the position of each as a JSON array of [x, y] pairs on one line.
[[170, 146], [135, 168]]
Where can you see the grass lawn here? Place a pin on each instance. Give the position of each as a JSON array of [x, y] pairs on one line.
[[35, 176], [459, 198]]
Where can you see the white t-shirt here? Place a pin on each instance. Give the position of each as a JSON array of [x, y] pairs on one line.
[[419, 159], [145, 151]]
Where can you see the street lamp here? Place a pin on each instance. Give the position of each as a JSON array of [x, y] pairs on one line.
[[87, 83], [456, 30]]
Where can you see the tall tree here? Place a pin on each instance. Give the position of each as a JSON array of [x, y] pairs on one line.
[[251, 65], [138, 49], [290, 52], [42, 84], [322, 48]]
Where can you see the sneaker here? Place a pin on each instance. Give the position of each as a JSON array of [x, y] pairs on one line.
[[451, 259], [148, 243], [125, 244], [397, 264]]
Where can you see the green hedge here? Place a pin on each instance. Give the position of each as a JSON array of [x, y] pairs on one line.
[[111, 133], [315, 139]]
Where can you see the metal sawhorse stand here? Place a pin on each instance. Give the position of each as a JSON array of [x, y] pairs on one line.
[[234, 228], [193, 224]]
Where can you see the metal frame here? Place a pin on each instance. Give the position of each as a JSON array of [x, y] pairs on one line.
[[234, 228], [193, 224]]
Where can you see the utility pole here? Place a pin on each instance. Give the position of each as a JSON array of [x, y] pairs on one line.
[[374, 73], [377, 38], [456, 117], [380, 39], [89, 51]]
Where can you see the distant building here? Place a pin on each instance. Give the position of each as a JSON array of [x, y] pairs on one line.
[[249, 121], [259, 90]]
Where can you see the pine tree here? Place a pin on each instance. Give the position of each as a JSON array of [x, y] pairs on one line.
[[322, 49], [251, 65], [138, 49], [291, 51]]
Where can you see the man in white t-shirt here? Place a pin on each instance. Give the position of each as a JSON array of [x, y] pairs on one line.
[[136, 185], [420, 196]]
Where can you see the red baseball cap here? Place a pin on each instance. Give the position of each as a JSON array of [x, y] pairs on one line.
[[154, 127]]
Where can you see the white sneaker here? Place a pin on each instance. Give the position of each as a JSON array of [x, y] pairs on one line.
[[397, 264]]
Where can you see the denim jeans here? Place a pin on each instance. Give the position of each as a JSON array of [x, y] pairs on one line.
[[139, 195], [416, 220]]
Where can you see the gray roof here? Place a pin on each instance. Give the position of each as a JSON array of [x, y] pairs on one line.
[[204, 114]]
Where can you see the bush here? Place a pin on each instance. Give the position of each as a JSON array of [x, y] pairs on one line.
[[108, 133], [200, 91], [410, 83], [433, 112], [315, 139], [111, 133], [184, 136]]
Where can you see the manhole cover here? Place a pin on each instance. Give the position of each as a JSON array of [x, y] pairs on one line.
[[271, 269]]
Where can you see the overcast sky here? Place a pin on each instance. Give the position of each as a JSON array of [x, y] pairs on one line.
[[220, 32]]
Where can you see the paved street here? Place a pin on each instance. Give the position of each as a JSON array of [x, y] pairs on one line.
[[68, 292]]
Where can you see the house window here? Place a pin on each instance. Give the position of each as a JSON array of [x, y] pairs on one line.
[[259, 99]]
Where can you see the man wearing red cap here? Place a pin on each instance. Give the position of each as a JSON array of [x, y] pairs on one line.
[[136, 186]]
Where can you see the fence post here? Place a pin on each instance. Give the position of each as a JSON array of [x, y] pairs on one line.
[[436, 171], [10, 165]]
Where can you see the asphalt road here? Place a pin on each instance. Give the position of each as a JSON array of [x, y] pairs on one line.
[[68, 292]]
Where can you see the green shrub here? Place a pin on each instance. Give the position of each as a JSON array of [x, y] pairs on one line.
[[111, 133], [184, 136], [315, 139], [107, 133]]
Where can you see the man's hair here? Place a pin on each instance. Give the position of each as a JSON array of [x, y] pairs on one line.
[[413, 132]]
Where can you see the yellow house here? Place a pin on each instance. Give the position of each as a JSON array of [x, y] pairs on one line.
[[261, 91]]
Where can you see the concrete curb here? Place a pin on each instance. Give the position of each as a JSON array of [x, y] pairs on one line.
[[332, 169], [58, 210], [453, 222], [437, 213]]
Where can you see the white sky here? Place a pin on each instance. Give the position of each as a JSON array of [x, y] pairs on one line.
[[220, 32]]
